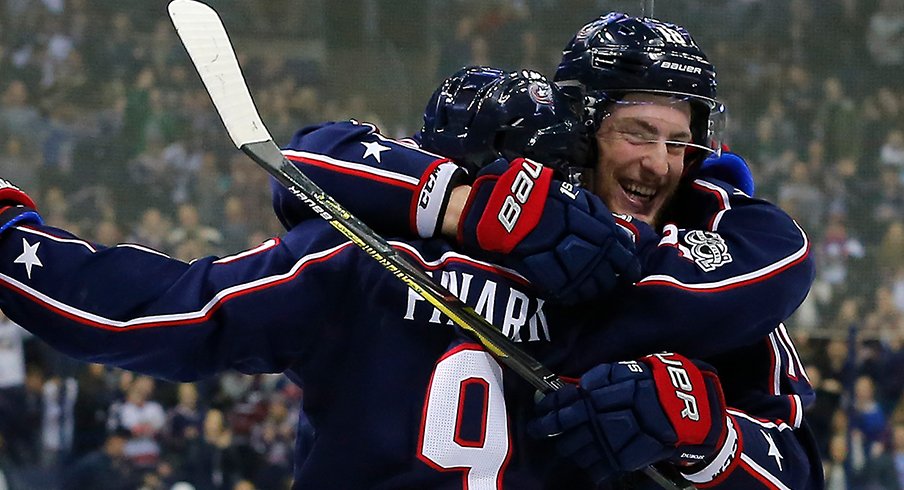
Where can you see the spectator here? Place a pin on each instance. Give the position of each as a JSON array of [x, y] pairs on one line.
[[90, 411], [885, 39], [885, 321], [801, 198], [210, 187], [838, 253], [890, 250], [891, 154], [33, 412], [189, 228], [273, 439], [869, 419], [17, 161], [184, 164], [106, 468], [152, 229], [888, 201], [821, 413], [19, 118], [236, 226], [13, 428], [57, 424], [834, 467], [836, 122], [211, 461], [144, 418], [184, 421]]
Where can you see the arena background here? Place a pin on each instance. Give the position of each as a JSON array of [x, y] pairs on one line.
[[105, 123]]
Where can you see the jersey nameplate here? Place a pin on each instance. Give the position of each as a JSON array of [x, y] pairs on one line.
[[520, 316]]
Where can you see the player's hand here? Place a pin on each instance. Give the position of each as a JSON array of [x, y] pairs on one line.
[[560, 237], [729, 168], [15, 207], [625, 416]]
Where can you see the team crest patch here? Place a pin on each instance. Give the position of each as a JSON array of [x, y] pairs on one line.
[[707, 249], [540, 93]]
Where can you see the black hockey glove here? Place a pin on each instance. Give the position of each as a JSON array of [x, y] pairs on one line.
[[561, 238], [16, 207]]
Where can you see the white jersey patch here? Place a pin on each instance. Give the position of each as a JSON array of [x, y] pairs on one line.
[[707, 249]]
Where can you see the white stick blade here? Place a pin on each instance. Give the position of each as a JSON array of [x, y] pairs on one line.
[[204, 37]]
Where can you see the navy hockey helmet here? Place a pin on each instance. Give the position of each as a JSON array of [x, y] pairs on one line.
[[480, 114], [617, 54]]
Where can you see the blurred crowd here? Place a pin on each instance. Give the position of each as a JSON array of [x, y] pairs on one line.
[[104, 122]]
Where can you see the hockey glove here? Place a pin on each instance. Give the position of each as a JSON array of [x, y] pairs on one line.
[[729, 168], [625, 416], [561, 238], [15, 207]]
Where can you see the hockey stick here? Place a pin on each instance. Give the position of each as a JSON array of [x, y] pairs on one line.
[[207, 43]]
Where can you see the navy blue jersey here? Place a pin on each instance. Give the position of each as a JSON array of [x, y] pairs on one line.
[[724, 273], [397, 397]]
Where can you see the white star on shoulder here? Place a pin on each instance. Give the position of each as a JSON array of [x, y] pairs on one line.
[[374, 148], [773, 449], [29, 256]]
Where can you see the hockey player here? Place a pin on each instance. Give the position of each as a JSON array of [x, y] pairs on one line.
[[419, 406], [398, 398], [720, 245]]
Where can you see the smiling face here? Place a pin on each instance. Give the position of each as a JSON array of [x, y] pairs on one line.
[[641, 154]]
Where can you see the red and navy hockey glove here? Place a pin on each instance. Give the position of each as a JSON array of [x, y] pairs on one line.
[[561, 238], [729, 168], [15, 207], [625, 416]]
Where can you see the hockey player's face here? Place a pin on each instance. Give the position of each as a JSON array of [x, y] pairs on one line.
[[641, 159]]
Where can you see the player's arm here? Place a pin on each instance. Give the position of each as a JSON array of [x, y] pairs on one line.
[[665, 408], [560, 237], [746, 265], [518, 214], [136, 308], [768, 455], [713, 288], [395, 187]]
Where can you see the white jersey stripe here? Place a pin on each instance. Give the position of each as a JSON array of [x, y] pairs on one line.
[[450, 255], [792, 366], [763, 472], [723, 198], [777, 368], [241, 255], [357, 167], [766, 424], [792, 351], [142, 248], [197, 315], [174, 318], [798, 410], [56, 238]]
